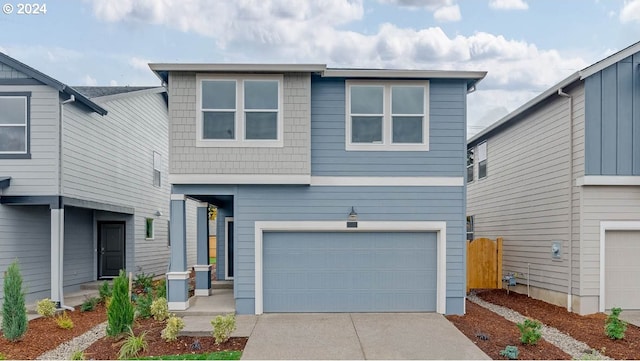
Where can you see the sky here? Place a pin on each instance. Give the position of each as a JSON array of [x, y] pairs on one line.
[[526, 46]]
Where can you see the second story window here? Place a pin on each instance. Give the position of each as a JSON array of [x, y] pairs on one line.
[[482, 160], [387, 115], [239, 111], [157, 169], [470, 156], [14, 125]]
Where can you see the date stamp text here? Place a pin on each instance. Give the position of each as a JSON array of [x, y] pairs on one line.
[[24, 8]]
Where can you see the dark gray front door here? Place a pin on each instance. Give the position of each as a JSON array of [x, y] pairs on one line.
[[111, 246]]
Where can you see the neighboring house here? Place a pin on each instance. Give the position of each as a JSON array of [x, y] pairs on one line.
[[559, 180], [83, 180], [338, 190]]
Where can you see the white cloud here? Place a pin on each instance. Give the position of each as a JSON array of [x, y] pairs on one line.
[[447, 13], [508, 4], [630, 11], [427, 4], [113, 83], [139, 63], [90, 81]]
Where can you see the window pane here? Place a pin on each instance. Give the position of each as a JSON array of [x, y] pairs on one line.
[[260, 94], [13, 139], [482, 169], [366, 99], [407, 129], [218, 125], [261, 125], [218, 94], [366, 129], [470, 173], [407, 100], [482, 151], [13, 110]]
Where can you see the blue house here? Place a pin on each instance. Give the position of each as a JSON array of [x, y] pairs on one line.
[[338, 190]]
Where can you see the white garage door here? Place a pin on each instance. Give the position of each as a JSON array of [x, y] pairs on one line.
[[622, 270], [349, 272]]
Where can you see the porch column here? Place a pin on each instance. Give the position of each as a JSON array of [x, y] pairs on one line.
[[203, 268], [57, 254], [178, 276]]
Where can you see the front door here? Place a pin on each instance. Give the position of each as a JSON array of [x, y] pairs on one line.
[[111, 245]]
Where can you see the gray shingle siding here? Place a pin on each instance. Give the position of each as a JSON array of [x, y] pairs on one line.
[[7, 72]]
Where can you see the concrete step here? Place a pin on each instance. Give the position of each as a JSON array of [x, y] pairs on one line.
[[95, 285], [72, 299], [217, 284], [198, 326]]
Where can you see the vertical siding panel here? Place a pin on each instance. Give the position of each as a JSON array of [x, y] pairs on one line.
[[593, 129], [609, 120], [636, 113], [625, 109]]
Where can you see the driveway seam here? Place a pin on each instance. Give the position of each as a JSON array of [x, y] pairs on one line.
[[364, 355]]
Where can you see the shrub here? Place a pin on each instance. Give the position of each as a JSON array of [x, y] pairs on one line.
[[143, 281], [510, 352], [105, 291], [143, 306], [2, 356], [46, 308], [223, 326], [132, 345], [64, 321], [78, 355], [14, 312], [120, 311], [174, 325], [614, 327], [89, 304], [529, 332], [160, 309], [160, 289]]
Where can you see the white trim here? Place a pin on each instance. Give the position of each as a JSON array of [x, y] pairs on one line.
[[604, 227], [226, 247], [202, 267], [402, 73], [608, 180], [612, 59], [388, 181], [178, 306], [202, 205], [177, 276], [178, 197], [239, 179], [365, 226], [202, 292]]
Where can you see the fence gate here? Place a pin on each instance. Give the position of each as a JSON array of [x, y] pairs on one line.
[[484, 263]]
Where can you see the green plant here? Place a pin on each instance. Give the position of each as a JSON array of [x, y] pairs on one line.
[[614, 327], [105, 291], [132, 345], [3, 357], [174, 325], [120, 312], [160, 309], [143, 306], [14, 312], [223, 326], [78, 355], [46, 308], [89, 304], [64, 321], [160, 290], [529, 331], [510, 352], [143, 281]]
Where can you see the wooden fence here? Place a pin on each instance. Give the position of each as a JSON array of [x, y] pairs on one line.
[[484, 263]]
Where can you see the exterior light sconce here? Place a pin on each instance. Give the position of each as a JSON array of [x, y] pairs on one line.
[[352, 219], [158, 213]]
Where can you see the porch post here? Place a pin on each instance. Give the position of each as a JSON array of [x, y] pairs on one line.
[[57, 254], [178, 276], [203, 268]]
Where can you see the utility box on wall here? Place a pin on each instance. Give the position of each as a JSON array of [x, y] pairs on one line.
[[556, 250]]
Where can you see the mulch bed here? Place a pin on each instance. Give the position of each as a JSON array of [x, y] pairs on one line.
[[588, 329]]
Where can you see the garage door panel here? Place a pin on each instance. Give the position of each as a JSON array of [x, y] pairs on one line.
[[622, 252], [349, 272]]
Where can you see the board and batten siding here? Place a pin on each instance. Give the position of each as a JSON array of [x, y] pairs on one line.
[[191, 210], [612, 119], [186, 158], [78, 246], [447, 124], [525, 196], [109, 159], [38, 175]]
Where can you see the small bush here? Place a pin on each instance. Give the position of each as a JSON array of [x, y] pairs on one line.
[[2, 356], [223, 326], [174, 325], [510, 352], [160, 289], [46, 308], [143, 281], [529, 332], [89, 304], [120, 312], [14, 311], [160, 309], [133, 345], [614, 327], [105, 291], [64, 321], [78, 355], [143, 306]]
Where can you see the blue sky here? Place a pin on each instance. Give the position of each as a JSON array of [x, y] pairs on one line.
[[525, 45]]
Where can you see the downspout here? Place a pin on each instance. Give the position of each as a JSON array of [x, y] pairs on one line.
[[570, 212]]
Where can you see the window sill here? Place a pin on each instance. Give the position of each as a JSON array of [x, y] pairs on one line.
[[201, 143], [15, 156], [388, 147], [149, 239]]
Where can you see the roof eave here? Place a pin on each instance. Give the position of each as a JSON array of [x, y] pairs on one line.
[[610, 60]]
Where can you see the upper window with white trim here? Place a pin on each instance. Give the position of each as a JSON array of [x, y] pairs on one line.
[[14, 125], [385, 115], [482, 160], [239, 111]]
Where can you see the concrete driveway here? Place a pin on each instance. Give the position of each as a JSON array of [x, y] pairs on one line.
[[358, 336]]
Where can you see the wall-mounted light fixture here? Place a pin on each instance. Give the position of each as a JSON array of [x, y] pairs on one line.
[[352, 219], [158, 213]]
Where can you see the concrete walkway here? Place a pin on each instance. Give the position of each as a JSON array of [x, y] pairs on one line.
[[358, 336]]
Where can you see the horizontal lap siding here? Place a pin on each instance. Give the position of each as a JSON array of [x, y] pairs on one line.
[[447, 110]]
